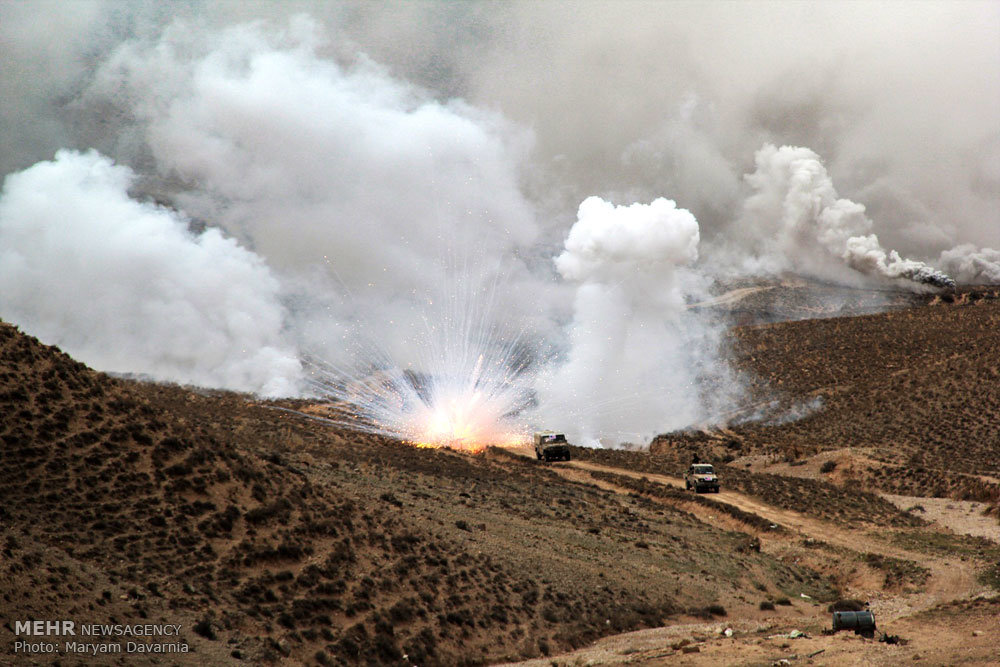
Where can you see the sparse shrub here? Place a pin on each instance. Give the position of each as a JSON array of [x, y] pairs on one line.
[[549, 614], [785, 602], [405, 541], [828, 467], [278, 509], [204, 628], [421, 647], [897, 571], [846, 605], [258, 493], [402, 611], [391, 499], [991, 577], [708, 612], [766, 605]]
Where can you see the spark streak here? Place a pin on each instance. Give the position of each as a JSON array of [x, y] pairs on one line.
[[473, 385]]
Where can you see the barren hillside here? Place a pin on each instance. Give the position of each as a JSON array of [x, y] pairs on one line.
[[269, 536]]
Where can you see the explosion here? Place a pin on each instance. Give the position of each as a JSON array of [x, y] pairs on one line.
[[466, 422], [449, 412], [475, 397]]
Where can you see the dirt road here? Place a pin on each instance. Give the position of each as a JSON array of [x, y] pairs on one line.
[[951, 578], [766, 641]]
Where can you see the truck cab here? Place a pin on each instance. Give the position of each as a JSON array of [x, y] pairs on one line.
[[550, 446]]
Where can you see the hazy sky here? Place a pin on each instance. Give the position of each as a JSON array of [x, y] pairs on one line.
[[630, 100]]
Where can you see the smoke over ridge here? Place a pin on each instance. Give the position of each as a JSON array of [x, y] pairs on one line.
[[350, 183], [794, 220]]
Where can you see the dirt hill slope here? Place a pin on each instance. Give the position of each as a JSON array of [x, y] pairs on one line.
[[902, 401], [921, 383], [917, 391], [844, 411], [270, 537]]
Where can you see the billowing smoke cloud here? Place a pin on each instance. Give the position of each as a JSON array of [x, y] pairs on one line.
[[346, 180], [631, 370], [969, 264], [674, 98], [126, 286], [900, 103], [618, 244], [371, 203], [794, 220], [362, 176], [302, 155]]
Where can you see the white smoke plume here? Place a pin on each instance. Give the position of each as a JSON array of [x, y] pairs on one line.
[[367, 199], [126, 286], [972, 265], [795, 221], [370, 165], [631, 370], [347, 181]]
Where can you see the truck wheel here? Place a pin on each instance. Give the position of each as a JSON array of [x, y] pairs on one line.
[[567, 457]]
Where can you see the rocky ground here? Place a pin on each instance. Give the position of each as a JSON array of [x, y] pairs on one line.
[[272, 537]]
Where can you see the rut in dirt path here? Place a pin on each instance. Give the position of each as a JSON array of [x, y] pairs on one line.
[[950, 578]]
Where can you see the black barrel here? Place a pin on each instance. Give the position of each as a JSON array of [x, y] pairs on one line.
[[862, 622]]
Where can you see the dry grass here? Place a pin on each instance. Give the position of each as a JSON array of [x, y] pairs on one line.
[[277, 538], [271, 537], [919, 387]]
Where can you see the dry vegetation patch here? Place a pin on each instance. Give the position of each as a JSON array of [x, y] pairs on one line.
[[272, 537], [919, 387], [275, 538]]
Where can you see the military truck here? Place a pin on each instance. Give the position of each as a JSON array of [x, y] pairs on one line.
[[701, 477], [551, 446]]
